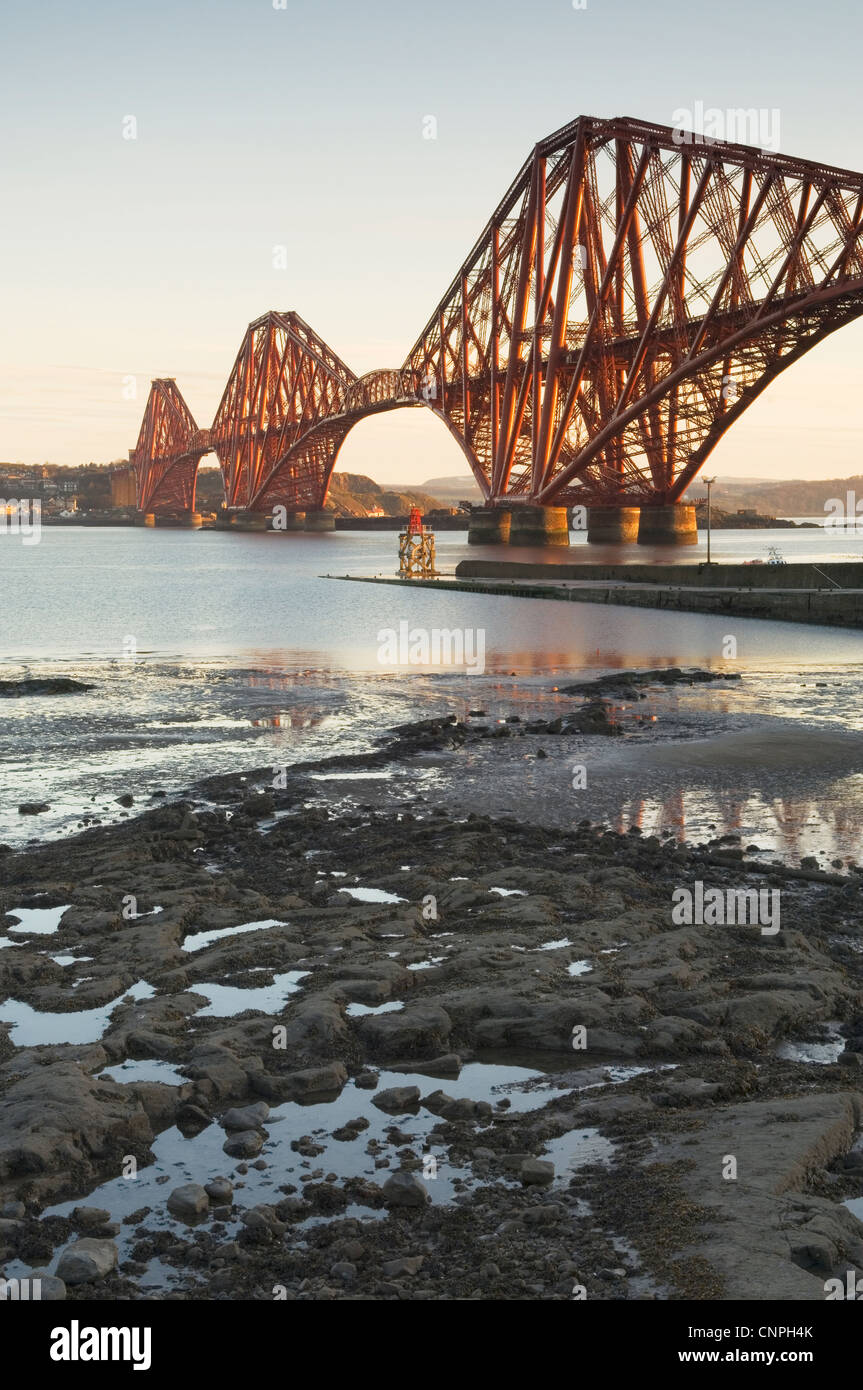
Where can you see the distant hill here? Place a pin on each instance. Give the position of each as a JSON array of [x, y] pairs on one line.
[[800, 497], [454, 489], [352, 494]]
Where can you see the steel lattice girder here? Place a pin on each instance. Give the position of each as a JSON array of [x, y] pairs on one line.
[[634, 291], [631, 296], [168, 451], [285, 381]]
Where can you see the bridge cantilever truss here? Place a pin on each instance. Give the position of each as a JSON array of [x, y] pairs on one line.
[[635, 290], [170, 447]]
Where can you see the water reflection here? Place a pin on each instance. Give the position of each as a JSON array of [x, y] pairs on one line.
[[789, 826]]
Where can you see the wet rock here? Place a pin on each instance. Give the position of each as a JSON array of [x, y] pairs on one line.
[[397, 1098], [512, 1162], [353, 1250], [215, 1069], [292, 1207], [188, 1202], [191, 1117], [86, 1218], [307, 1146], [87, 1260], [405, 1189], [549, 1214], [408, 1264], [325, 1197], [248, 1117], [219, 1190], [51, 1289], [324, 1080], [263, 1218], [814, 1252], [366, 1080], [437, 1101], [56, 1116], [463, 1109], [536, 1171], [449, 1064], [592, 718], [42, 685], [33, 808], [245, 1143], [351, 1129], [13, 1211], [318, 1026], [688, 1090], [421, 1028]]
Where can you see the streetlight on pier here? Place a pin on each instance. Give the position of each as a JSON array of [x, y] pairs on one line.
[[709, 482]]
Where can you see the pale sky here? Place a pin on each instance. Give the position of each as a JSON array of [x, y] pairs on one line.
[[124, 259]]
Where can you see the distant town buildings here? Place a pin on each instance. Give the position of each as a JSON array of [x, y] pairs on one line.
[[62, 492]]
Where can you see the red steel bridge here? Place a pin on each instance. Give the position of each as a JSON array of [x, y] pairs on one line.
[[632, 294]]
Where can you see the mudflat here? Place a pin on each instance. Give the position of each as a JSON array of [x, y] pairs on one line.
[[269, 1043]]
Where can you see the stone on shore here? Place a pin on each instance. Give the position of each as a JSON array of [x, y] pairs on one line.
[[189, 1202], [87, 1260], [405, 1189], [248, 1117]]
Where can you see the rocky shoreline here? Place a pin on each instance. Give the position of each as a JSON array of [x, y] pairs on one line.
[[481, 1058]]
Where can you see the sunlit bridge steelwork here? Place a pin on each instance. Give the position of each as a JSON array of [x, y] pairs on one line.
[[631, 295]]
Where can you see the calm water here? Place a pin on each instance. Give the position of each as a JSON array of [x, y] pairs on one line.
[[246, 656], [82, 592]]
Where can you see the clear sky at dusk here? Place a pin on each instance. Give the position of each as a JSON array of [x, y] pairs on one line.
[[302, 127]]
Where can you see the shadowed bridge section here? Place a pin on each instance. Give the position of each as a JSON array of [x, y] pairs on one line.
[[635, 290]]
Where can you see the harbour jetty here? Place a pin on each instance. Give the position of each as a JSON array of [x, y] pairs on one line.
[[830, 595]]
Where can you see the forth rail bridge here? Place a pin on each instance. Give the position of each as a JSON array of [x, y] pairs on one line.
[[632, 294]]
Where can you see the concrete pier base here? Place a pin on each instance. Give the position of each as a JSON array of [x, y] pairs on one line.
[[320, 521], [180, 520], [294, 521], [673, 524], [612, 525], [539, 526], [489, 526], [251, 521]]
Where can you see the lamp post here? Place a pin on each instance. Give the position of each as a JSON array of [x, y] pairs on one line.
[[709, 482]]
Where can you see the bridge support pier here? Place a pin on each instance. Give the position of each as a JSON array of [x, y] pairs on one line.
[[539, 526], [183, 520], [320, 521], [612, 525], [251, 521], [670, 524], [489, 526], [294, 521]]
